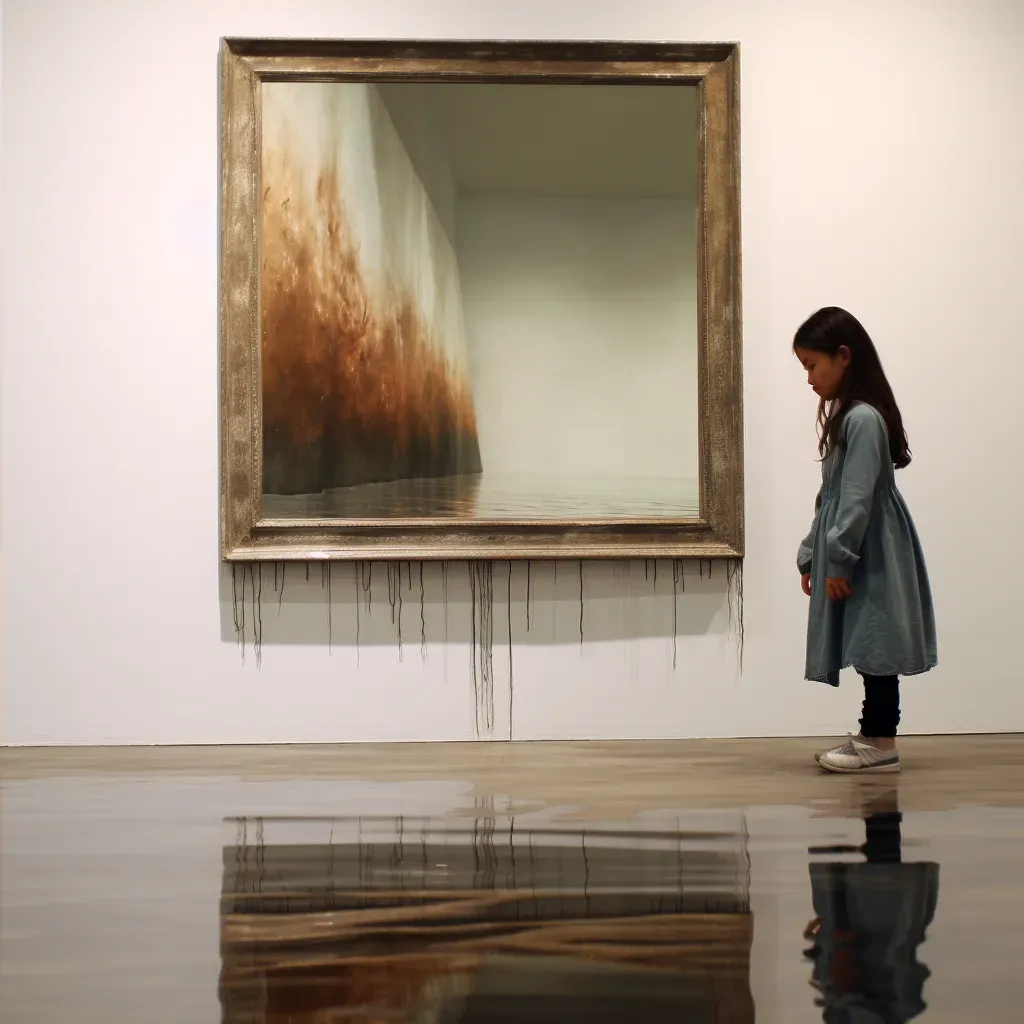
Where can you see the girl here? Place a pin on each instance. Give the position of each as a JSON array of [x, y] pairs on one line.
[[861, 564]]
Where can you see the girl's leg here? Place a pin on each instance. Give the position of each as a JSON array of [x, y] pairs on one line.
[[881, 710], [880, 716], [875, 749]]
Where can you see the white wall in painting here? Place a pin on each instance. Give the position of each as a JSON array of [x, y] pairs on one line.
[[895, 193], [410, 116], [581, 316]]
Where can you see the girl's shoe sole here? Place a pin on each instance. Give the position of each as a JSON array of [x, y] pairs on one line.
[[881, 769]]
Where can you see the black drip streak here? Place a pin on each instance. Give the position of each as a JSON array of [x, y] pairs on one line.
[[357, 569], [395, 599], [234, 602], [398, 594], [243, 612], [392, 591], [444, 600], [581, 602], [365, 583], [247, 581], [423, 618], [488, 636], [678, 577], [734, 576], [510, 683], [257, 612], [529, 573], [472, 646], [481, 583]]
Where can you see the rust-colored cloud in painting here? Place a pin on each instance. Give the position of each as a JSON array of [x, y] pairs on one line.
[[354, 390]]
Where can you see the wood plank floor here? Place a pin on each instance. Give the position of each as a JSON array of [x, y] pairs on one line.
[[600, 777]]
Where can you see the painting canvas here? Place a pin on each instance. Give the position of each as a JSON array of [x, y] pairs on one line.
[[478, 301]]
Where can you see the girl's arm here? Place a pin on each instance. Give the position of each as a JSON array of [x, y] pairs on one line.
[[806, 552], [866, 450]]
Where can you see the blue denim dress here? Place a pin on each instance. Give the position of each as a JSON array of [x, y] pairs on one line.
[[863, 532]]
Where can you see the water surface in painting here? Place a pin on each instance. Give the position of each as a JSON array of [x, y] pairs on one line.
[[485, 497]]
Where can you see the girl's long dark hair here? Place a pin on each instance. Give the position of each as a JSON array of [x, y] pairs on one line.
[[864, 381]]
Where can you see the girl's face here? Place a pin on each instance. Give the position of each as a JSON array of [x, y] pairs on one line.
[[825, 373]]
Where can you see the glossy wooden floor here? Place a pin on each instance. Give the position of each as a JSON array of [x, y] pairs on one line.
[[112, 860]]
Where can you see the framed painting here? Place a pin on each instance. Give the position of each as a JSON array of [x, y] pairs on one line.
[[480, 300]]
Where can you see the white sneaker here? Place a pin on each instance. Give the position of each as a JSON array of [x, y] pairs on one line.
[[861, 757], [843, 748]]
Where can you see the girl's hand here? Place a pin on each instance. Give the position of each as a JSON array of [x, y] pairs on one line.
[[805, 582], [838, 590]]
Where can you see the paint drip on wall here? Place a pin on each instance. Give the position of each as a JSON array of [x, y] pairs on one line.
[[247, 588]]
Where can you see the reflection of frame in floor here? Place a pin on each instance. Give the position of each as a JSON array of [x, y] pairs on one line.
[[454, 922]]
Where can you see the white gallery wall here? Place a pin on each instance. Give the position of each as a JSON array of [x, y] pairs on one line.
[[882, 160]]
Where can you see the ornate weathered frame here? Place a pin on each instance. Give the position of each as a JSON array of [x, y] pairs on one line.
[[713, 68]]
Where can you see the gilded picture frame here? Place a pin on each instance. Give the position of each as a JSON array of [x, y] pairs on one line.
[[717, 532]]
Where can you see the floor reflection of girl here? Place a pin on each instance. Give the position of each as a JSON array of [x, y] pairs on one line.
[[871, 918]]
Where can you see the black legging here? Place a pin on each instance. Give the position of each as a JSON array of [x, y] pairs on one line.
[[881, 711]]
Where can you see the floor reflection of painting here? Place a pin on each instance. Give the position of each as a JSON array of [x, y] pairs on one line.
[[403, 921]]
